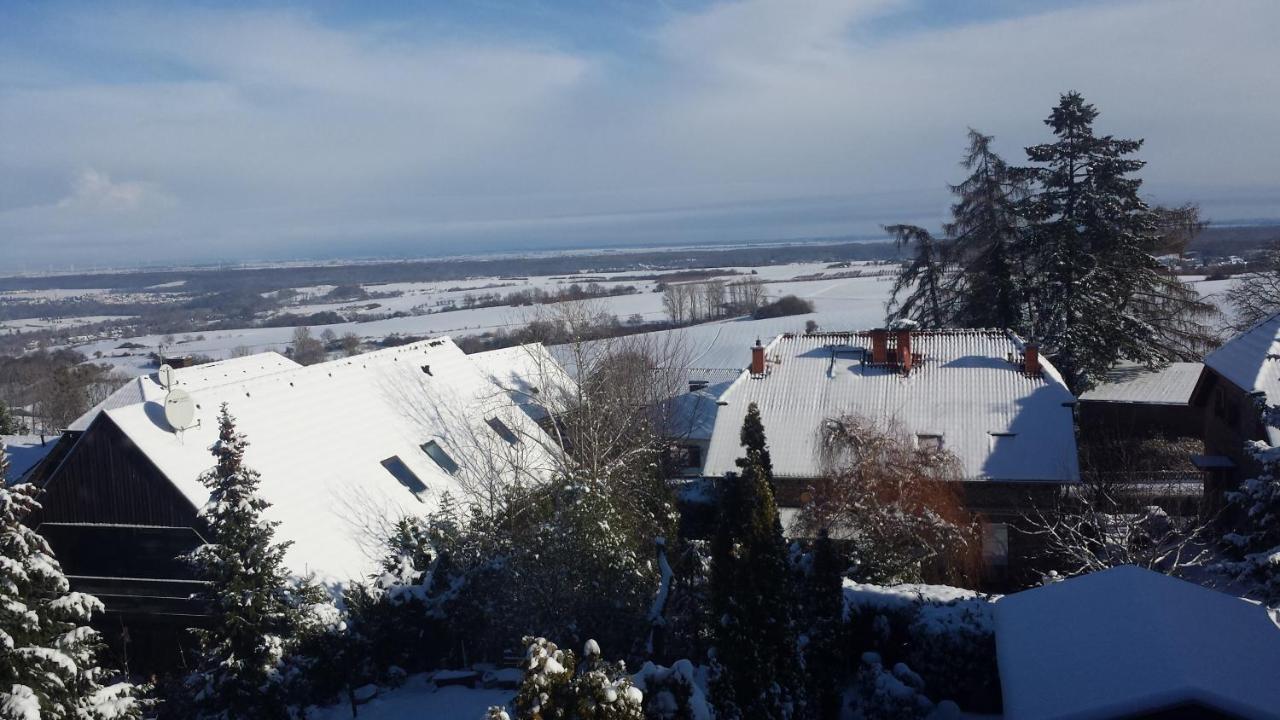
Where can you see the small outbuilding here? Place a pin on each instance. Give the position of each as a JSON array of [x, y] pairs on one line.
[[1132, 643]]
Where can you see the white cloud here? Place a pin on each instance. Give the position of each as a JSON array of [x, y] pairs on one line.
[[278, 133]]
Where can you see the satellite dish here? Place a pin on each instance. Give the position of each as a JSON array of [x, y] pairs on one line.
[[179, 409], [166, 376]]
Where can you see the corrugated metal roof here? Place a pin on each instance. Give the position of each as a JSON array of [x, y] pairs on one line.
[[529, 374], [1251, 361], [1132, 383], [319, 434], [964, 389]]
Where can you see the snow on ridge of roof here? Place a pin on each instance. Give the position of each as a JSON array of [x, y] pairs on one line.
[[147, 387], [1000, 423], [1172, 384], [1127, 640], [319, 435], [1251, 361]]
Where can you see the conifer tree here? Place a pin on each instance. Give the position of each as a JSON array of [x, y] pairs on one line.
[[930, 277], [825, 600], [984, 231], [1089, 241], [48, 653], [757, 663], [1255, 539], [253, 608]]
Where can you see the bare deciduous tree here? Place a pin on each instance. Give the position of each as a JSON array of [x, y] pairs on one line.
[[1255, 296], [898, 505]]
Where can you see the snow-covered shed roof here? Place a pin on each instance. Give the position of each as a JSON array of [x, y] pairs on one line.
[[1125, 641], [1001, 423], [24, 452], [1251, 361], [147, 387], [325, 439], [1172, 384]]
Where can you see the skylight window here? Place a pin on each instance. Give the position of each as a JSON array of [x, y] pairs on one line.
[[929, 442], [442, 458], [502, 430], [405, 476], [1001, 440]]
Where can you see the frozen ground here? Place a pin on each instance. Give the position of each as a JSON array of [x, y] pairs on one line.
[[419, 698]]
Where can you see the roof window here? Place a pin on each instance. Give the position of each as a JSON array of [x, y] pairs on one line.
[[502, 430], [405, 476], [929, 442], [442, 458]]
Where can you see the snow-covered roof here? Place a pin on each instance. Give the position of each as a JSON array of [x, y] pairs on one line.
[[530, 375], [1001, 423], [319, 436], [24, 451], [1251, 361], [1135, 383], [147, 387], [692, 415], [1127, 640]]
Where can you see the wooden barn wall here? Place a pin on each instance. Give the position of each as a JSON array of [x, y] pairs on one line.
[[105, 478]]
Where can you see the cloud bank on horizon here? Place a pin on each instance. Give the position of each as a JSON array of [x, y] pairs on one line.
[[144, 132]]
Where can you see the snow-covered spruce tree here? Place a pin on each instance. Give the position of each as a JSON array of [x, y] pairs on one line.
[[756, 659], [984, 232], [1089, 244], [929, 280], [48, 653], [254, 607], [1256, 539], [972, 276]]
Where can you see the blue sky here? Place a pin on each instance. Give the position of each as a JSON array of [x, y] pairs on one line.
[[157, 132]]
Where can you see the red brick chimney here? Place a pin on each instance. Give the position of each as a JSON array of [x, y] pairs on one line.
[[1031, 359], [904, 351], [757, 358], [879, 346]]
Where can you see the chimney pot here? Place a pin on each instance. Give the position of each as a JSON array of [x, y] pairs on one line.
[[905, 359], [879, 346], [757, 358], [1031, 359]]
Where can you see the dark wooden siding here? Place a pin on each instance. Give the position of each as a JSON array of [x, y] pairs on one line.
[[106, 479]]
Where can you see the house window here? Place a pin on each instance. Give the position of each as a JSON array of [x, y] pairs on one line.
[[502, 430], [929, 442], [995, 544], [405, 476], [692, 456], [437, 453]]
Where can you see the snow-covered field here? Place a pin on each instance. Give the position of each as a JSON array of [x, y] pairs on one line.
[[842, 303], [32, 324]]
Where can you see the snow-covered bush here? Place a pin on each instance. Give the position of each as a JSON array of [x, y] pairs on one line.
[[944, 634], [673, 693], [48, 653], [557, 686], [880, 693]]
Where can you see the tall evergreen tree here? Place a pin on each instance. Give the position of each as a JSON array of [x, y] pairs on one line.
[[929, 280], [757, 662], [1090, 241], [48, 653], [253, 607], [984, 231], [825, 659]]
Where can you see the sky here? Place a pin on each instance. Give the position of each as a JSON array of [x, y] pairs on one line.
[[145, 133]]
